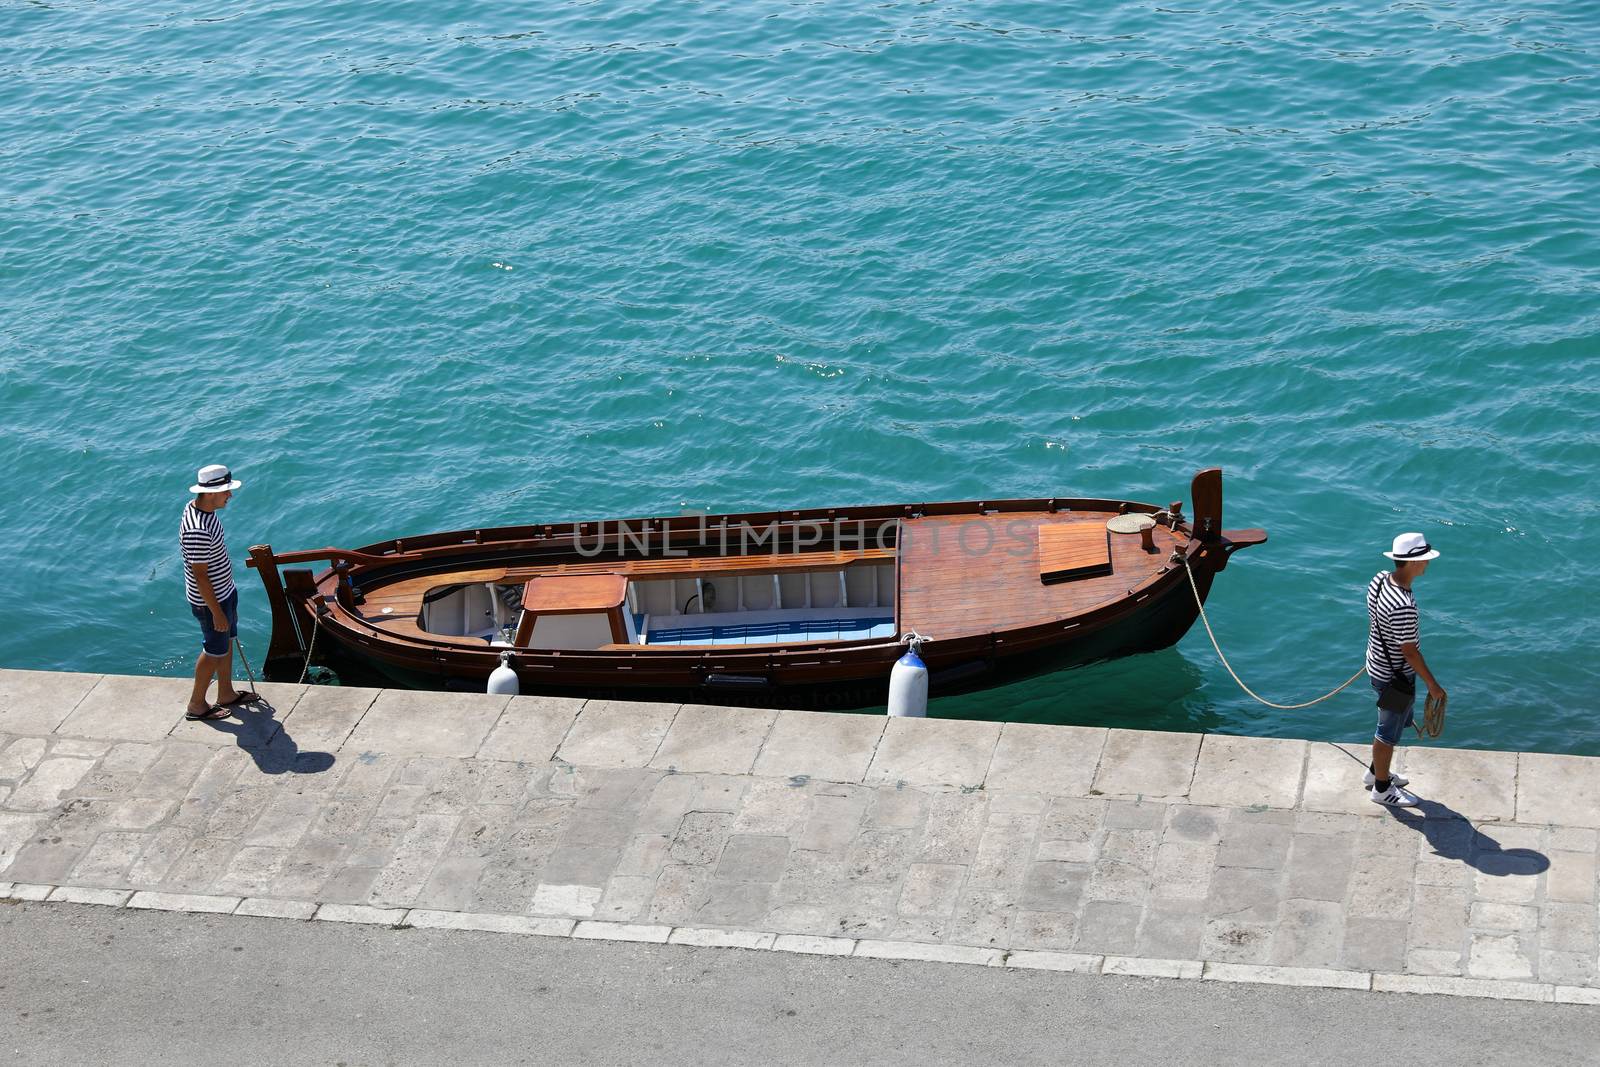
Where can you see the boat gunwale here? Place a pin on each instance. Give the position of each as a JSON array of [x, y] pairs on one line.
[[456, 543]]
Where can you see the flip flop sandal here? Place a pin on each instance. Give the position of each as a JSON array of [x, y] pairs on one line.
[[241, 700], [211, 714]]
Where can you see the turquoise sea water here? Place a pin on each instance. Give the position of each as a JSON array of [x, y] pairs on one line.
[[431, 266]]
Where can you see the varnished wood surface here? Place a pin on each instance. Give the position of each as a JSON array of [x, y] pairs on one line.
[[1067, 549], [963, 576], [566, 594]]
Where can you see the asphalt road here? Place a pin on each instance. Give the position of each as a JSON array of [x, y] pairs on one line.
[[94, 985]]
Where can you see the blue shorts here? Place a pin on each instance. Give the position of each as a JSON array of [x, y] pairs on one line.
[[213, 640], [1391, 724]]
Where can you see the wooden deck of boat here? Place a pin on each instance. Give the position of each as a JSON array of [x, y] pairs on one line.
[[970, 575]]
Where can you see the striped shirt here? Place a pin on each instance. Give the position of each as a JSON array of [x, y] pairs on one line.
[[200, 534], [1392, 614]]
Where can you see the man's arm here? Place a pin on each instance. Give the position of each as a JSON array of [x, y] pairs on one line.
[[1413, 655], [202, 580]]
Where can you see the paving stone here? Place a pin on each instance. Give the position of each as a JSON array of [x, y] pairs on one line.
[[25, 891], [1460, 987], [934, 752], [1565, 927], [190, 902], [603, 931], [1500, 956], [1141, 763], [356, 913], [714, 740], [1319, 867], [720, 792], [530, 729], [577, 901], [590, 865], [1574, 839], [1291, 976], [1333, 779], [1491, 915], [1136, 814], [778, 806], [834, 821], [276, 909], [108, 860], [1121, 871], [451, 884], [1183, 871], [1247, 771], [1573, 968], [1236, 941], [71, 894], [1310, 934], [814, 946], [1107, 926], [680, 892], [504, 889], [123, 707], [79, 746], [626, 898], [1196, 824], [735, 903], [1004, 851], [900, 950], [879, 856], [983, 917], [1374, 944], [898, 808], [1510, 876], [349, 885], [1571, 877], [597, 826], [953, 828], [706, 938], [36, 702], [1438, 917], [324, 716], [1433, 961], [43, 788], [829, 748], [1247, 842], [404, 723], [1557, 789], [174, 770], [1052, 760], [250, 726], [1245, 894], [1151, 968], [1168, 934], [22, 756], [1054, 887], [931, 889], [1469, 784], [617, 733], [751, 858]]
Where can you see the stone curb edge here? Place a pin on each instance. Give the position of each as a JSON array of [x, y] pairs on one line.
[[864, 948]]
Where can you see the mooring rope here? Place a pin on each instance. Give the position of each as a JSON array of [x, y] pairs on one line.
[[311, 646], [1199, 603]]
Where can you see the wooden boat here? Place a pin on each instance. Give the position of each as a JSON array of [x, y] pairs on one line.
[[790, 609]]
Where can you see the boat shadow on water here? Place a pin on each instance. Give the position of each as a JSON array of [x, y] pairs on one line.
[[257, 730]]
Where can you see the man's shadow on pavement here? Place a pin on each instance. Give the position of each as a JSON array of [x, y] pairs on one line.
[[1453, 837], [256, 729]]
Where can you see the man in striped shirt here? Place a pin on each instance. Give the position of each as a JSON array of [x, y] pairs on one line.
[[1394, 660], [208, 583]]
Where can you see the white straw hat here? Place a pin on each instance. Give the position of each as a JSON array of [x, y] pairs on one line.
[[214, 479], [1410, 547]]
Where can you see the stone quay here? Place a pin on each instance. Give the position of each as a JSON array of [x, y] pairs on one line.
[[1171, 855]]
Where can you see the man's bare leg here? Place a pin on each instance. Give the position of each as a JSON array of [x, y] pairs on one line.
[[225, 690], [204, 669], [1382, 754]]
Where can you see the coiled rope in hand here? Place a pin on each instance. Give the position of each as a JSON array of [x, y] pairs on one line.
[[1199, 603]]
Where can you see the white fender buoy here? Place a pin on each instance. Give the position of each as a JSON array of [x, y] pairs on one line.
[[908, 683], [503, 680]]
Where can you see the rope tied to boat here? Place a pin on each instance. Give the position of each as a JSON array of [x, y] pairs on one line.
[[311, 646], [1200, 603]]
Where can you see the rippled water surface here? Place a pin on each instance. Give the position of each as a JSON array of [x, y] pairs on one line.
[[427, 266]]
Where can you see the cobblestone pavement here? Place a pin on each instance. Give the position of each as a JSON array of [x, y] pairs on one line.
[[1060, 847]]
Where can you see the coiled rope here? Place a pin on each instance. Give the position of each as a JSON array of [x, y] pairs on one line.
[[1199, 603]]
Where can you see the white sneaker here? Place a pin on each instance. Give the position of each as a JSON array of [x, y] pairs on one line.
[[1394, 797], [1370, 780]]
